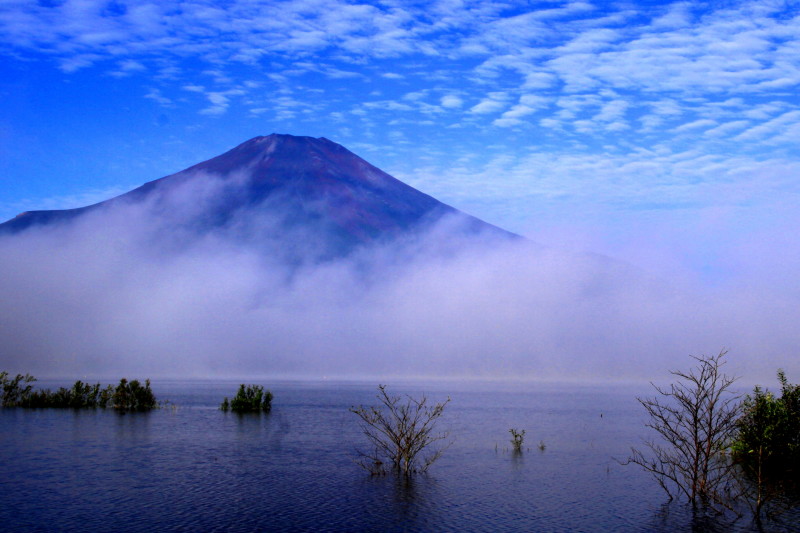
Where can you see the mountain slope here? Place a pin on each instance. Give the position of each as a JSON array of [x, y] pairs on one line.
[[301, 182]]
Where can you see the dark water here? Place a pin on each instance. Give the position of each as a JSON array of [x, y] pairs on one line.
[[194, 468]]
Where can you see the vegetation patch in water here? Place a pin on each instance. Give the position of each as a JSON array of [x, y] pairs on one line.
[[126, 396], [249, 399], [517, 439], [401, 433], [767, 447]]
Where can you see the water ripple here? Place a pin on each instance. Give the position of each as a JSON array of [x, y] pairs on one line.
[[198, 469]]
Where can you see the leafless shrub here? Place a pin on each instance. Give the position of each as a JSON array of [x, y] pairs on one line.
[[401, 434], [695, 419]]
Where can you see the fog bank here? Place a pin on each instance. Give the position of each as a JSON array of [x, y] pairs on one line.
[[126, 292]]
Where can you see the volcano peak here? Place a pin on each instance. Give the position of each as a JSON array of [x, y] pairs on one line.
[[310, 182]]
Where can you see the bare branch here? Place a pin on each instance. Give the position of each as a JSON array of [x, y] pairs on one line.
[[400, 434], [695, 420]]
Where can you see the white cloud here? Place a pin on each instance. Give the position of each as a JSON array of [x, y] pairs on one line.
[[696, 125], [591, 41], [506, 122], [219, 104], [677, 16], [388, 105], [614, 185], [539, 80], [493, 103], [611, 111], [725, 130], [528, 105], [771, 127], [127, 68], [155, 95], [451, 101]]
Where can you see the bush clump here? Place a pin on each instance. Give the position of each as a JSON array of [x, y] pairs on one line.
[[132, 396], [16, 390], [127, 396], [767, 442], [80, 396], [517, 439], [249, 399]]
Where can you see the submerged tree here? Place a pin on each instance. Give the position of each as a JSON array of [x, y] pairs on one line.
[[695, 420], [401, 433], [517, 439], [127, 396], [132, 396], [16, 390], [80, 396], [767, 447], [249, 399]]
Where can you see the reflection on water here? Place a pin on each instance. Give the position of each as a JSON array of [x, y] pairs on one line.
[[195, 468], [517, 458], [677, 516]]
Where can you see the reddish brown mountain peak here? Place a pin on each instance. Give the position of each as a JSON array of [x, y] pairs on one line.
[[307, 181]]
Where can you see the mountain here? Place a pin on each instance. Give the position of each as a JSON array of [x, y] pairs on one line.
[[302, 186]]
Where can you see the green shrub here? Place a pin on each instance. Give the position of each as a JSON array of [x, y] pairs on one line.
[[768, 435], [80, 396], [517, 439], [127, 396], [17, 390], [249, 399], [132, 396]]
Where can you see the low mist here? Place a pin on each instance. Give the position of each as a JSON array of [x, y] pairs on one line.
[[135, 291]]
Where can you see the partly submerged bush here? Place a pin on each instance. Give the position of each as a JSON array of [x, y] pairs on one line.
[[695, 420], [767, 444], [249, 399], [127, 396], [517, 439], [15, 390], [132, 396], [402, 434], [80, 396], [768, 435]]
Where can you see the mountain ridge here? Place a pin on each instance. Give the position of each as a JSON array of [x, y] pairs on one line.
[[312, 182]]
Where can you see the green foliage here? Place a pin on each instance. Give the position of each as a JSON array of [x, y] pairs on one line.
[[225, 405], [767, 442], [249, 399], [132, 396], [517, 439], [16, 390], [127, 396], [772, 425], [80, 396]]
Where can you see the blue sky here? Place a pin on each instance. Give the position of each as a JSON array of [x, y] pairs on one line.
[[663, 133]]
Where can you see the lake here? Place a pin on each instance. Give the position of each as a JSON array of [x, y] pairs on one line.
[[195, 468]]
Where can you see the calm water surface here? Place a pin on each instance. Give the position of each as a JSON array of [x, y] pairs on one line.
[[194, 468]]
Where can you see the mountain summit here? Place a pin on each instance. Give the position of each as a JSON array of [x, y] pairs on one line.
[[297, 183]]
